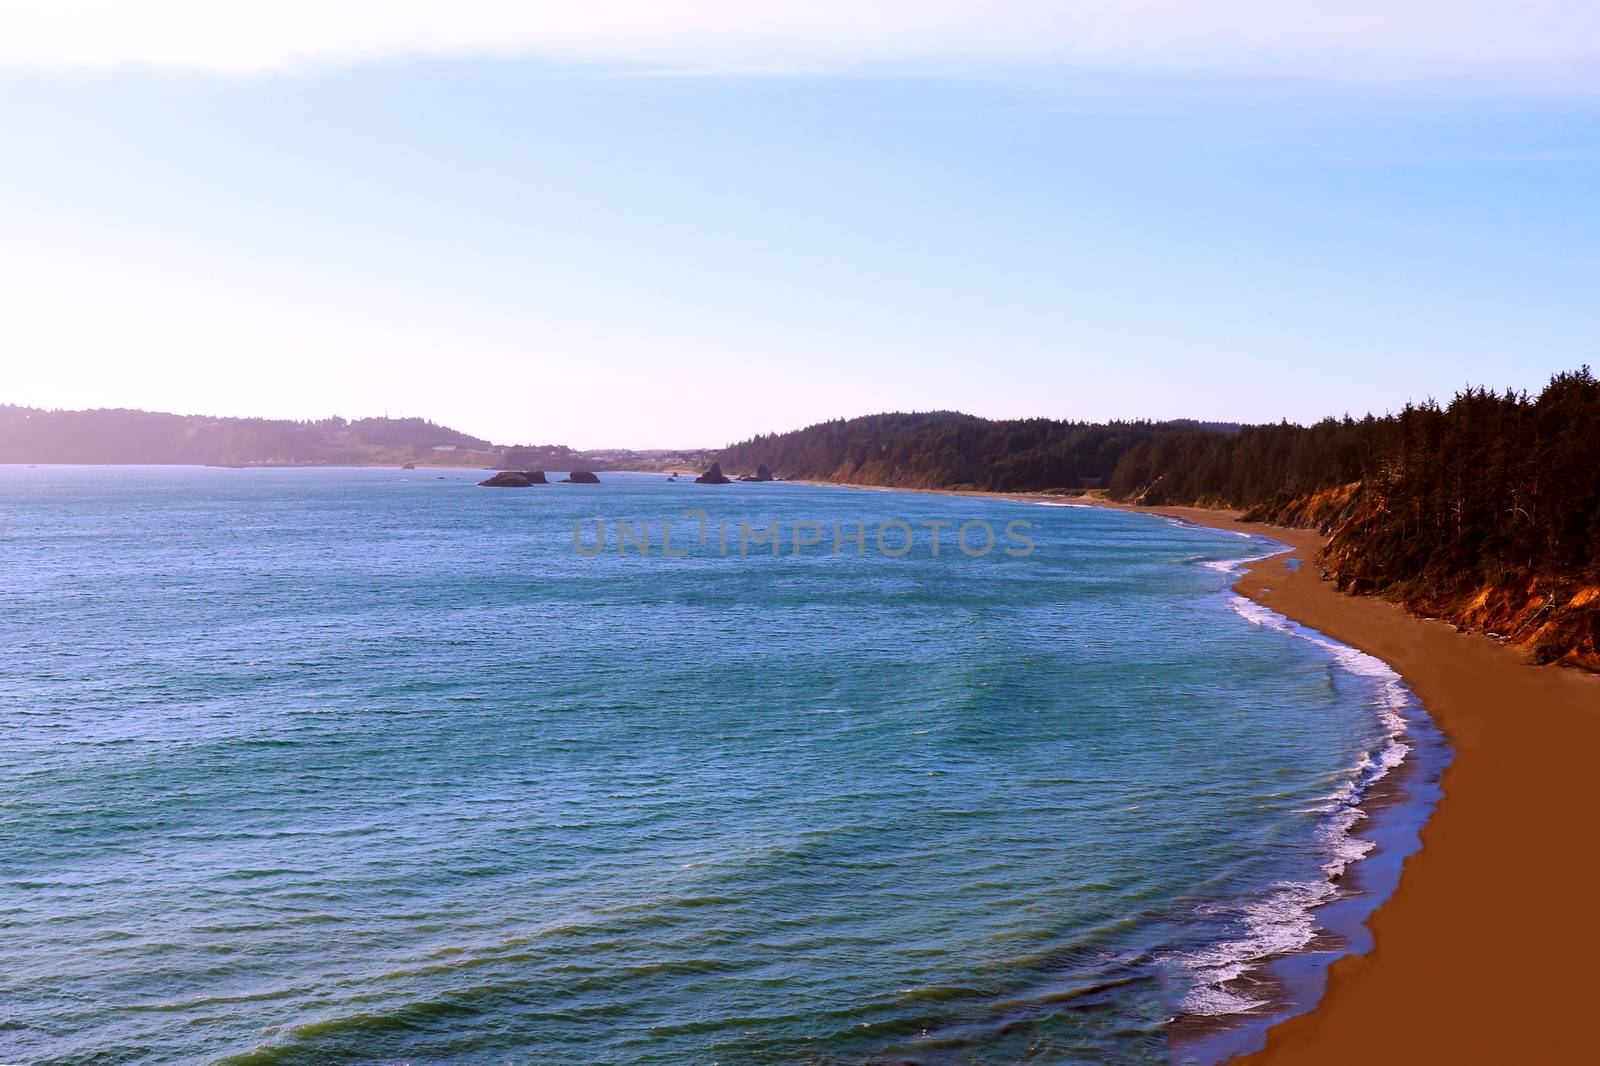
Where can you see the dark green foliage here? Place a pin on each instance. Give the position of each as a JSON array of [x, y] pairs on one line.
[[1256, 466], [1484, 491], [1489, 489], [943, 449]]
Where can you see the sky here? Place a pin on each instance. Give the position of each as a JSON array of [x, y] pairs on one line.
[[678, 224]]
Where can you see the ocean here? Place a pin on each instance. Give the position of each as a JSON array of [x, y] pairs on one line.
[[378, 766]]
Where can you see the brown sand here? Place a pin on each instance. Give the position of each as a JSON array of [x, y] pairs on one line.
[[1489, 950]]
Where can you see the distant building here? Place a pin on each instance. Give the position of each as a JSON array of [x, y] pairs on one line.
[[444, 447]]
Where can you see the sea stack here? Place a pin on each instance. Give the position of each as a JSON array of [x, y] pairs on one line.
[[580, 477], [515, 479], [712, 477], [761, 474]]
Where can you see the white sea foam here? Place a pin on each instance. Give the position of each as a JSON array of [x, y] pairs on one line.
[[1282, 921], [1184, 524], [1392, 693], [1234, 566], [1275, 924]]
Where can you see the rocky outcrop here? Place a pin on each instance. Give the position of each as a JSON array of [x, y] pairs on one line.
[[761, 474], [1324, 510], [1552, 619], [515, 479], [580, 477], [714, 476]]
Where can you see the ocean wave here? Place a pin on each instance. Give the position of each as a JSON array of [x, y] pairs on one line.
[[1184, 523], [1283, 921], [1276, 924], [1236, 566]]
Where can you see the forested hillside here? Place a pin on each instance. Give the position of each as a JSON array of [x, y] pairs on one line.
[[944, 449], [1485, 510]]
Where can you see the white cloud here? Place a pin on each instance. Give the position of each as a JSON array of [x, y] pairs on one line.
[[1552, 44]]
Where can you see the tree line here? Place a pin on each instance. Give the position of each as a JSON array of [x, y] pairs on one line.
[[1483, 490], [946, 449]]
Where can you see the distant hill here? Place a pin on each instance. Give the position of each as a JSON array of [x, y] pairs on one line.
[[947, 449], [560, 457], [115, 435], [119, 435]]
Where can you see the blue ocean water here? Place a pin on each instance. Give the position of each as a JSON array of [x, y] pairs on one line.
[[314, 766]]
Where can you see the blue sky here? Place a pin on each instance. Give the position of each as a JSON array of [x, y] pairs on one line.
[[538, 249]]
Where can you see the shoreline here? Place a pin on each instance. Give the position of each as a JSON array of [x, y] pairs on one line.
[[1483, 952], [1381, 819]]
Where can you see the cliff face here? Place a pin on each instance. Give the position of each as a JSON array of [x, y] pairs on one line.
[[1552, 618], [1553, 621], [1322, 511], [1484, 511]]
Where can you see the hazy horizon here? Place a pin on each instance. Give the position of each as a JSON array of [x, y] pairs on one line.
[[702, 446]]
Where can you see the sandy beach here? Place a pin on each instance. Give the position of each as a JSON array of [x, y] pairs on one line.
[[1485, 953]]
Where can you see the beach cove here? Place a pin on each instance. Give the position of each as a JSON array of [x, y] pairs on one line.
[[1484, 953]]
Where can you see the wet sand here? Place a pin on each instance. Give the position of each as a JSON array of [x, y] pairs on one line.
[[1487, 951]]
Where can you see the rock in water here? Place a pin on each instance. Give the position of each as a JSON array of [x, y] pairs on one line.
[[762, 473], [507, 479], [580, 477], [515, 479], [712, 476]]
